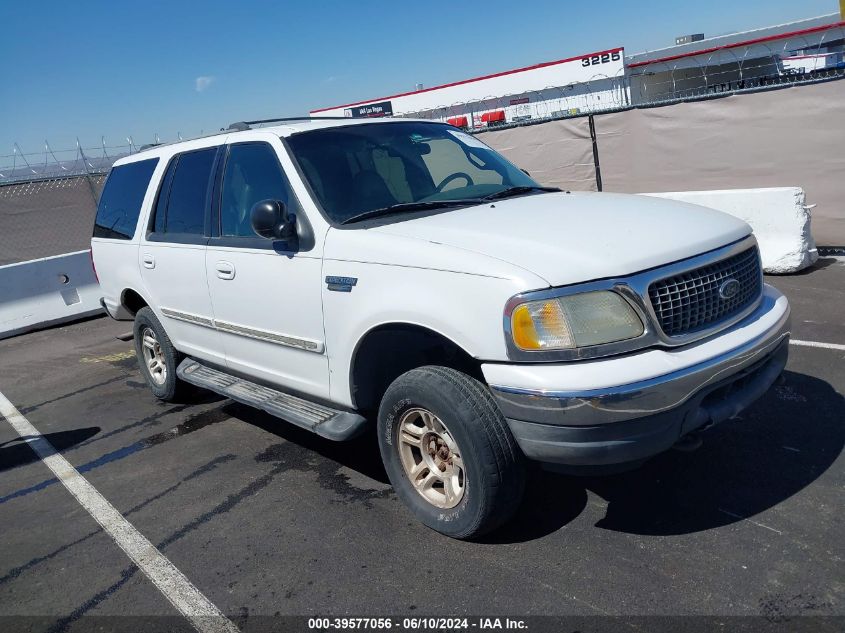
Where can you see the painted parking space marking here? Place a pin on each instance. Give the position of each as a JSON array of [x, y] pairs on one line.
[[835, 346], [172, 583], [109, 358], [745, 518]]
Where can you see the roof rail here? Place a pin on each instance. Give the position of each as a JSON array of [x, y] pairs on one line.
[[148, 146], [239, 126]]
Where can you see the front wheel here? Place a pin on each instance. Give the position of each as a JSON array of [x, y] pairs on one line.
[[449, 452]]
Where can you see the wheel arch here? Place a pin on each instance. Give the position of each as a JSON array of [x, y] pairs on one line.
[[374, 363], [131, 301]]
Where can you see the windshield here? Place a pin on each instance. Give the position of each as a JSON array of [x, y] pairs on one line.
[[358, 169]]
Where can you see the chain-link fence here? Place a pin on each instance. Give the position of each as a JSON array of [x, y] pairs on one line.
[[48, 199], [601, 93], [52, 164], [604, 94], [763, 65], [584, 99], [47, 217]]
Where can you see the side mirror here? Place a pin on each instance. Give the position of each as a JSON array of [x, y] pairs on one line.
[[270, 219]]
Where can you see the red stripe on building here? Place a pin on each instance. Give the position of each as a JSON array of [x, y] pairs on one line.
[[759, 40]]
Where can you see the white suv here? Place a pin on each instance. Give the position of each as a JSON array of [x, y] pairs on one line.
[[400, 272]]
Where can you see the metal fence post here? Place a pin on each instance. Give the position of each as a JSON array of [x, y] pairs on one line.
[[596, 163], [91, 187]]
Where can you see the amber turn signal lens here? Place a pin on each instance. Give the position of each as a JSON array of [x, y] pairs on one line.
[[578, 320]]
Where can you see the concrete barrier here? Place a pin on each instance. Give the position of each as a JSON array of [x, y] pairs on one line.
[[779, 217], [47, 291], [62, 288]]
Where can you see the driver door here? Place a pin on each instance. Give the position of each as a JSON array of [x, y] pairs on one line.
[[267, 303]]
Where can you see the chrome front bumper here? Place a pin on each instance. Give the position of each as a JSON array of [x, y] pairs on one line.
[[633, 421], [639, 399]]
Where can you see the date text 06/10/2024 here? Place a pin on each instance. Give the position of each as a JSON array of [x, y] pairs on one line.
[[417, 624]]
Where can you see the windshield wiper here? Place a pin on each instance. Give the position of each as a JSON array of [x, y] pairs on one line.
[[410, 206], [517, 191]]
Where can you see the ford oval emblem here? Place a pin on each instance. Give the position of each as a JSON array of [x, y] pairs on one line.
[[729, 289]]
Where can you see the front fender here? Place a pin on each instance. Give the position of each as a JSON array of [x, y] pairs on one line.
[[464, 308]]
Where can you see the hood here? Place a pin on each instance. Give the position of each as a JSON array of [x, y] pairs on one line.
[[569, 238]]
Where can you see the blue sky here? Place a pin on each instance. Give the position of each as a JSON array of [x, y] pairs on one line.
[[87, 69]]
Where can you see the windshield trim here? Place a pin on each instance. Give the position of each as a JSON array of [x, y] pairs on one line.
[[411, 207]]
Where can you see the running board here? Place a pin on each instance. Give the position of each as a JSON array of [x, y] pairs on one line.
[[322, 420]]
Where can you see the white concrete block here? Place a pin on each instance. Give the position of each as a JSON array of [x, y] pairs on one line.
[[779, 217], [47, 291]]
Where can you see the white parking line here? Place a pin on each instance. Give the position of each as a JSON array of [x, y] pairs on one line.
[[181, 593], [835, 346], [739, 516]]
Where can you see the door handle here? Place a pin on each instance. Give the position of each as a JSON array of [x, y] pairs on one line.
[[225, 270], [149, 261]]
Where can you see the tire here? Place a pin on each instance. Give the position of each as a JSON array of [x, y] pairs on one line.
[[482, 469], [163, 383]]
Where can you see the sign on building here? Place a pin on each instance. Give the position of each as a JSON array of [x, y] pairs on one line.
[[370, 110]]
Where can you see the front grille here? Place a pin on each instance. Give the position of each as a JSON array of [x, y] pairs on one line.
[[690, 301]]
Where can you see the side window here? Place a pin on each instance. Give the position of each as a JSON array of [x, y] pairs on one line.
[[252, 174], [182, 207], [160, 211], [120, 203]]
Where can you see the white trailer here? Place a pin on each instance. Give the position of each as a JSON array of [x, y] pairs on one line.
[[803, 64]]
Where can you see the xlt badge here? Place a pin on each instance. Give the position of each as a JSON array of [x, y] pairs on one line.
[[341, 284]]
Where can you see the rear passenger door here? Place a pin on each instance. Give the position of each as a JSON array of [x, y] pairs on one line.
[[172, 253], [267, 301]]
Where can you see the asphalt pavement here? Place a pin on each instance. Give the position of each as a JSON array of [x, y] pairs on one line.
[[268, 520]]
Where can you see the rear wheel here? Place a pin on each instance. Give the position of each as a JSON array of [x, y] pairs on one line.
[[153, 358], [157, 358], [449, 452]]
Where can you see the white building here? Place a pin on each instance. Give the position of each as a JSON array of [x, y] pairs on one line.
[[738, 61], [576, 85], [608, 80]]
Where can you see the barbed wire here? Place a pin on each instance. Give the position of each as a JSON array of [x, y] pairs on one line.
[[659, 84], [758, 66], [20, 166]]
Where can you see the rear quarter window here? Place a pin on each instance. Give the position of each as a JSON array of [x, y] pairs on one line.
[[189, 192], [120, 204]]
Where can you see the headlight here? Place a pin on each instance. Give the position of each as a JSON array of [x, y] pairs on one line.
[[578, 320]]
